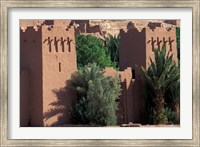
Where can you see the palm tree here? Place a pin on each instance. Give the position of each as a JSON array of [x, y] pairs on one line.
[[112, 44], [160, 75]]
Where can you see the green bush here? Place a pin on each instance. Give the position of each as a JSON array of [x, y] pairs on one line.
[[96, 103], [90, 49]]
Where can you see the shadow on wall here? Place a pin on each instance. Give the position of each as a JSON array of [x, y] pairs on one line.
[[60, 109]]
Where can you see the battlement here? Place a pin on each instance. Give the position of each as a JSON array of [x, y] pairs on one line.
[[48, 24], [125, 75], [150, 29]]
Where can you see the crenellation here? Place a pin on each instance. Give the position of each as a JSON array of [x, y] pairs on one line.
[[44, 25]]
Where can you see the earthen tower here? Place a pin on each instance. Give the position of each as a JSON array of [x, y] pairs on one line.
[[47, 60]]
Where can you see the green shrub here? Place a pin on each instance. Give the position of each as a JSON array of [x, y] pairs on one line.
[[97, 95], [90, 49]]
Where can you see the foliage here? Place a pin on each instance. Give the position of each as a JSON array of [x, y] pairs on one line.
[[97, 95], [178, 42], [112, 45], [172, 117], [160, 76], [172, 100], [91, 49]]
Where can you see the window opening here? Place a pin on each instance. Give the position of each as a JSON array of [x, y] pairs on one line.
[[59, 67]]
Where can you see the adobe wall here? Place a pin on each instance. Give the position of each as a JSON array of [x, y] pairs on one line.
[[58, 63], [132, 50], [129, 104], [24, 98], [155, 38], [137, 47], [31, 60]]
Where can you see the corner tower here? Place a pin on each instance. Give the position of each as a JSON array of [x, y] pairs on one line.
[[136, 48], [48, 57]]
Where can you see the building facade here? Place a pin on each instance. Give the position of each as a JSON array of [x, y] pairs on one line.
[[48, 60]]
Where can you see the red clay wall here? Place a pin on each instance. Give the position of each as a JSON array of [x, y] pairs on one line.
[[156, 38], [132, 50], [58, 63], [132, 53], [127, 102], [24, 98], [31, 60]]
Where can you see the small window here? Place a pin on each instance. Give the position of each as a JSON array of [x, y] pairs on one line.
[[59, 67]]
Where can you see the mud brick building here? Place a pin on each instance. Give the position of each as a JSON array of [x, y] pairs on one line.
[[48, 59]]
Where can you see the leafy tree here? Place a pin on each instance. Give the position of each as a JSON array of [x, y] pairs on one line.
[[97, 95], [91, 49], [159, 77], [112, 45]]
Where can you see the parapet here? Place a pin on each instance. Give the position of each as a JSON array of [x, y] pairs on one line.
[[49, 24], [123, 75]]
